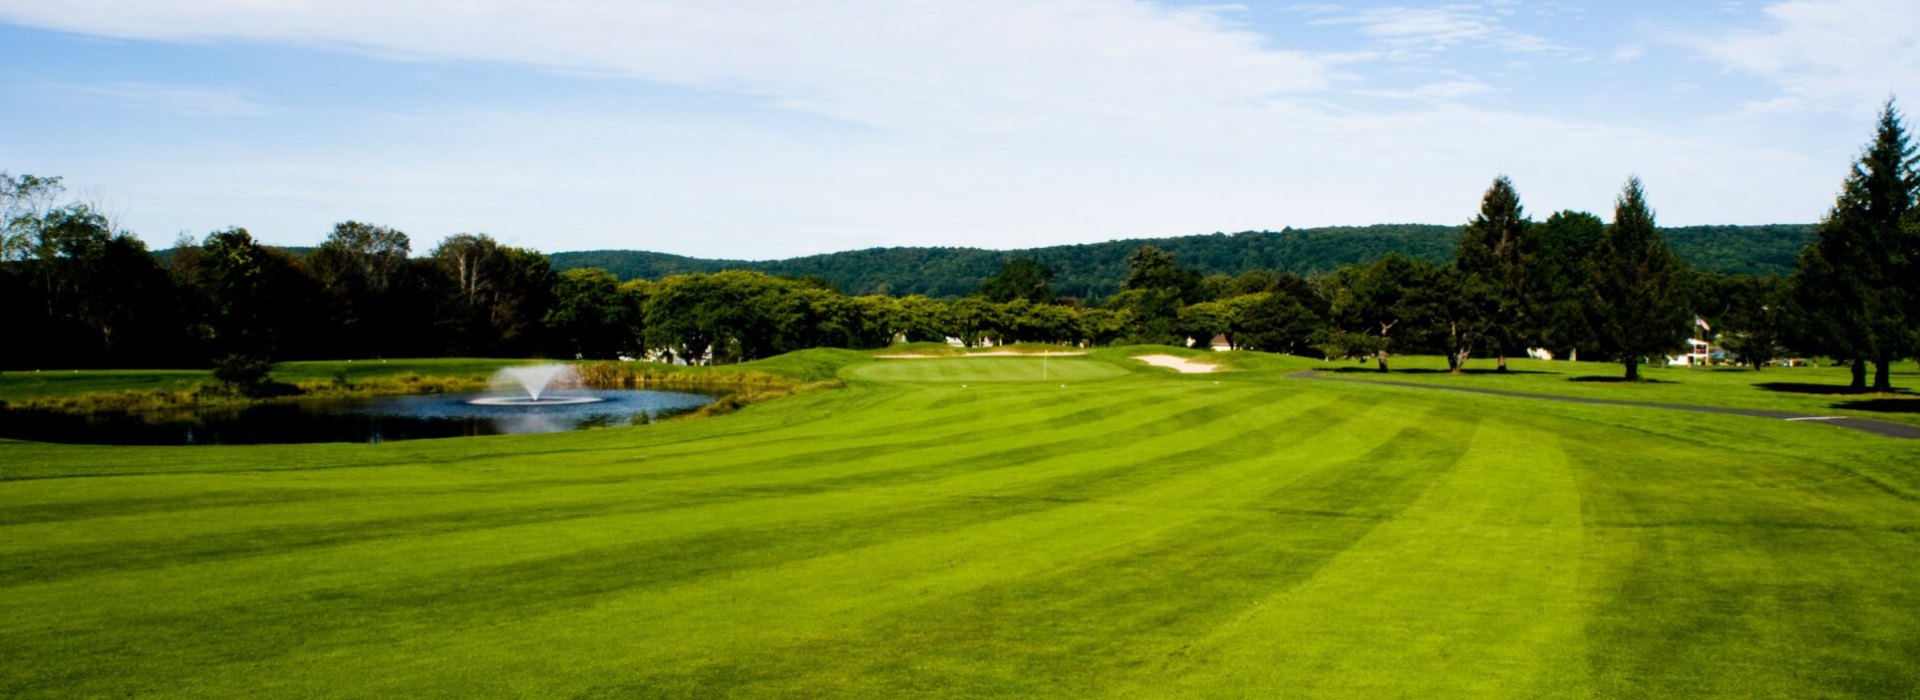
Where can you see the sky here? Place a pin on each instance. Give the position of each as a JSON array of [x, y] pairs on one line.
[[760, 129]]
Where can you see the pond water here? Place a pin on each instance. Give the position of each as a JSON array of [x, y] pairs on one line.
[[358, 420]]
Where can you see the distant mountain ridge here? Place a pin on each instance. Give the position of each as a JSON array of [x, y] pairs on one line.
[[1095, 270]]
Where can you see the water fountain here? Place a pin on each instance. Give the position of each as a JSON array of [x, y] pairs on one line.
[[535, 381]]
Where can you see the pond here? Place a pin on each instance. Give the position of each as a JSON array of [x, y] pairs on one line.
[[357, 420]]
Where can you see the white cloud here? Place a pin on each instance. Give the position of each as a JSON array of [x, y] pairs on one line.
[[1826, 55], [1428, 29], [1001, 123], [927, 66], [1446, 91], [179, 99]]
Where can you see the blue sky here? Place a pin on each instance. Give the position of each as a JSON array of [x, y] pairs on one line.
[[767, 128]]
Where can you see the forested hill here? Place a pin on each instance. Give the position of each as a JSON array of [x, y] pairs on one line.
[[1095, 270]]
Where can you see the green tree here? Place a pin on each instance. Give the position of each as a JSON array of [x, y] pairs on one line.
[[504, 292], [24, 201], [1748, 313], [1855, 282], [1020, 278], [1467, 306], [1379, 303], [127, 302], [970, 320], [1154, 313], [1567, 240], [921, 319], [1102, 327], [1152, 268], [257, 300], [1498, 258], [1274, 321], [359, 267], [1637, 285], [590, 316], [1201, 322]]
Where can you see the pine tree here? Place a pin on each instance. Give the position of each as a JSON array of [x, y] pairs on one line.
[[1637, 285], [1497, 256], [1855, 282]]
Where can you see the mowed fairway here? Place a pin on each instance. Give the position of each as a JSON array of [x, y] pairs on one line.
[[929, 531], [988, 369]]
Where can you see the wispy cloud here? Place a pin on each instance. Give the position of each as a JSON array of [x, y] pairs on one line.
[[1430, 29], [1825, 55], [1446, 91], [925, 66], [989, 122], [182, 100]]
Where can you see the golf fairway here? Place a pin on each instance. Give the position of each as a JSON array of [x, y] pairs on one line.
[[944, 529]]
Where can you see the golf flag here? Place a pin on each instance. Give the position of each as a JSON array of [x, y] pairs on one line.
[[1701, 322]]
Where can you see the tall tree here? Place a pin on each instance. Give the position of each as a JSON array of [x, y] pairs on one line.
[[1855, 281], [1020, 278], [1155, 289], [1275, 321], [357, 266], [24, 200], [505, 291], [1149, 267], [1497, 258], [258, 300], [1376, 304], [1567, 241], [1638, 292], [1748, 313], [590, 317]]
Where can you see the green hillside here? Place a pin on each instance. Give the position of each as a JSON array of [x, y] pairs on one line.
[[1095, 270]]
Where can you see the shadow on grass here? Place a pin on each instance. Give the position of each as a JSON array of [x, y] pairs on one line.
[[1610, 379], [1882, 405], [1819, 389]]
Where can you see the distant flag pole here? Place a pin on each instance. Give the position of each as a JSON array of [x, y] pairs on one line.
[[1702, 323]]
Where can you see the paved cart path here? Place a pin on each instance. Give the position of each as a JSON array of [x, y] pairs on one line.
[[1877, 427]]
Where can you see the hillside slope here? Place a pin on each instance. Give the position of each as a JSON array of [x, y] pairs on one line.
[[1095, 270]]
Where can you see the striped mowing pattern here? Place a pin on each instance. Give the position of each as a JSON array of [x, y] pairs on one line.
[[1126, 534]]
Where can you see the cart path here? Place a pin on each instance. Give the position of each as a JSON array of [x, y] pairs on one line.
[[1869, 425]]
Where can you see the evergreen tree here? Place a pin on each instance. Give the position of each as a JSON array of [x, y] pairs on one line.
[[1497, 258], [1637, 285], [1855, 283]]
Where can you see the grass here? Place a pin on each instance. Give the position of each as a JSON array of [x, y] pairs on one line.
[[989, 369], [923, 532], [1811, 390], [22, 385]]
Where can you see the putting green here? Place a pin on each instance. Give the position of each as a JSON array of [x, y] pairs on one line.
[[988, 369]]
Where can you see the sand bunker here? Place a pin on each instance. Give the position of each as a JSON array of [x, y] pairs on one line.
[[1178, 364]]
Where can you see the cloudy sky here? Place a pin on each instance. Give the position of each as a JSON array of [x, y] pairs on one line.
[[772, 128]]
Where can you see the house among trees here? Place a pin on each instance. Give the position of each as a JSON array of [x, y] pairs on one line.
[[1699, 354]]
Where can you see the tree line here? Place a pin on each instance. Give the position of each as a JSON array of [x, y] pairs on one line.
[[1093, 271], [86, 294]]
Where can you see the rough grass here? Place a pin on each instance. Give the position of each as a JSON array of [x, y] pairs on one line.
[[1144, 534]]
